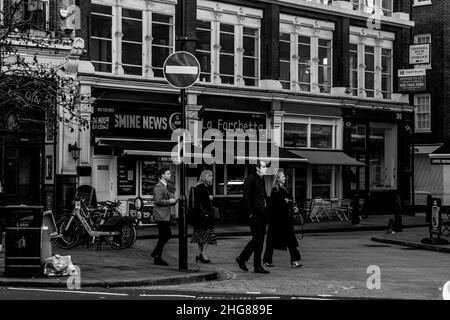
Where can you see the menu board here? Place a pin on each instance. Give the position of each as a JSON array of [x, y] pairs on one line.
[[126, 177], [149, 177]]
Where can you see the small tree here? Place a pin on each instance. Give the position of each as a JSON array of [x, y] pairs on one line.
[[34, 86]]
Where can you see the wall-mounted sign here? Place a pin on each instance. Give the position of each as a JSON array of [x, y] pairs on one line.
[[419, 53], [134, 120], [412, 79], [440, 161]]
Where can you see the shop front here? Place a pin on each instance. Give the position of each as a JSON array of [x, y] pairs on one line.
[[383, 142], [22, 149], [131, 142]]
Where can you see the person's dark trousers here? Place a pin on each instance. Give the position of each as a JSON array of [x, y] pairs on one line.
[[295, 255], [164, 235], [255, 245], [268, 253]]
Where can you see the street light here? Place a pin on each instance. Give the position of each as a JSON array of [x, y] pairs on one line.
[[75, 150]]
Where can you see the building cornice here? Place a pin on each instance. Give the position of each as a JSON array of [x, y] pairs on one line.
[[160, 86]]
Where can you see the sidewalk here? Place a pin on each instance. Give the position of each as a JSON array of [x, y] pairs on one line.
[[412, 238], [372, 223], [134, 266], [118, 268]]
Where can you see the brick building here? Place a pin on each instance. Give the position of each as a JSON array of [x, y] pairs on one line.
[[316, 73], [432, 117]]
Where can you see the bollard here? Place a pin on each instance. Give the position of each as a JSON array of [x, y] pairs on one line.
[[355, 210], [2, 244], [398, 213]]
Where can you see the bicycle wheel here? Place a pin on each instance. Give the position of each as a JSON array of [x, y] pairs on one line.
[[125, 239], [68, 238]]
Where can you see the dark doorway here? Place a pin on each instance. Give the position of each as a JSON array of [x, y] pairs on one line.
[[21, 173]]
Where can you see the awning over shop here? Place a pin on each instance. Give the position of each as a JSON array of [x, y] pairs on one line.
[[441, 155], [284, 155], [164, 149], [140, 147], [327, 157], [426, 149]]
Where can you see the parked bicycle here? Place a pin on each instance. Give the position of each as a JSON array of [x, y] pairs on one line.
[[99, 224]]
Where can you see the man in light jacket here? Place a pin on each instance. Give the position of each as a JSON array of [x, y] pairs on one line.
[[161, 209]]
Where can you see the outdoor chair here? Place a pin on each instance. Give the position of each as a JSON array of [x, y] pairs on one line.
[[336, 207]]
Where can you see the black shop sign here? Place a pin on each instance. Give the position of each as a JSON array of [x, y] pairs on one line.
[[134, 120]]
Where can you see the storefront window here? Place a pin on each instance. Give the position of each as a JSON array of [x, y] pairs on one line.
[[219, 179], [235, 179], [301, 183], [383, 156], [126, 177], [295, 135], [149, 176], [321, 136], [321, 181], [358, 136]]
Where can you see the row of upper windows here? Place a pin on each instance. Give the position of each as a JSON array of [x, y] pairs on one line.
[[137, 42]]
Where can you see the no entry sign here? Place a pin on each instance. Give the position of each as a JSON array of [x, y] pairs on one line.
[[181, 69]]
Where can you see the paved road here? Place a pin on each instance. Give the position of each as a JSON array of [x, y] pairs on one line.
[[334, 265], [16, 293]]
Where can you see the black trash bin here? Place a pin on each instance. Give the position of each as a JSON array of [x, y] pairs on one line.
[[23, 240]]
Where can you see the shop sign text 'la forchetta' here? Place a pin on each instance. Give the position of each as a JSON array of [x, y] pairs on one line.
[[135, 121]]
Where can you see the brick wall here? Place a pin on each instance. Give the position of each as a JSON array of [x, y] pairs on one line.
[[435, 19]]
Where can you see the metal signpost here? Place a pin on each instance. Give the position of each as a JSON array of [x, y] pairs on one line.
[[182, 70], [435, 223]]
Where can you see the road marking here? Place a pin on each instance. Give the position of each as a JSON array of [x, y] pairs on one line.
[[258, 298], [308, 298], [69, 291], [167, 295], [250, 292], [182, 69]]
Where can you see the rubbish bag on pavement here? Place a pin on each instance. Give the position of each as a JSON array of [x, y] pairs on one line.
[[59, 266]]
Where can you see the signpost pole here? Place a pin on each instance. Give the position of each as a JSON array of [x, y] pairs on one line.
[[182, 225]]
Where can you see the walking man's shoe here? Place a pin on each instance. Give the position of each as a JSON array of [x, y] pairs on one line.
[[160, 262], [241, 264], [261, 270]]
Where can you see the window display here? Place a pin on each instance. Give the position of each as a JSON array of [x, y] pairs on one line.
[[149, 177], [126, 177]]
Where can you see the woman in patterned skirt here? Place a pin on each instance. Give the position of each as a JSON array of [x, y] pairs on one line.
[[201, 216]]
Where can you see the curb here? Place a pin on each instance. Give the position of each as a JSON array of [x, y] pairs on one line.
[[62, 283], [411, 244], [330, 230]]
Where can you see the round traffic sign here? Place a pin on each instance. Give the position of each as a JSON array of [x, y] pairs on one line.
[[181, 69]]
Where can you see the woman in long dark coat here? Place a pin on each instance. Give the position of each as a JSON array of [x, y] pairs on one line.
[[280, 233], [202, 217]]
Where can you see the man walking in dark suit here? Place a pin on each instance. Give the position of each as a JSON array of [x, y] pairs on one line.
[[255, 205], [161, 209]]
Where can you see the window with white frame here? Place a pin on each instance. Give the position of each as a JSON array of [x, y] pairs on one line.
[[229, 43], [422, 38], [370, 60], [422, 104], [308, 132], [305, 54], [371, 6], [134, 38]]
